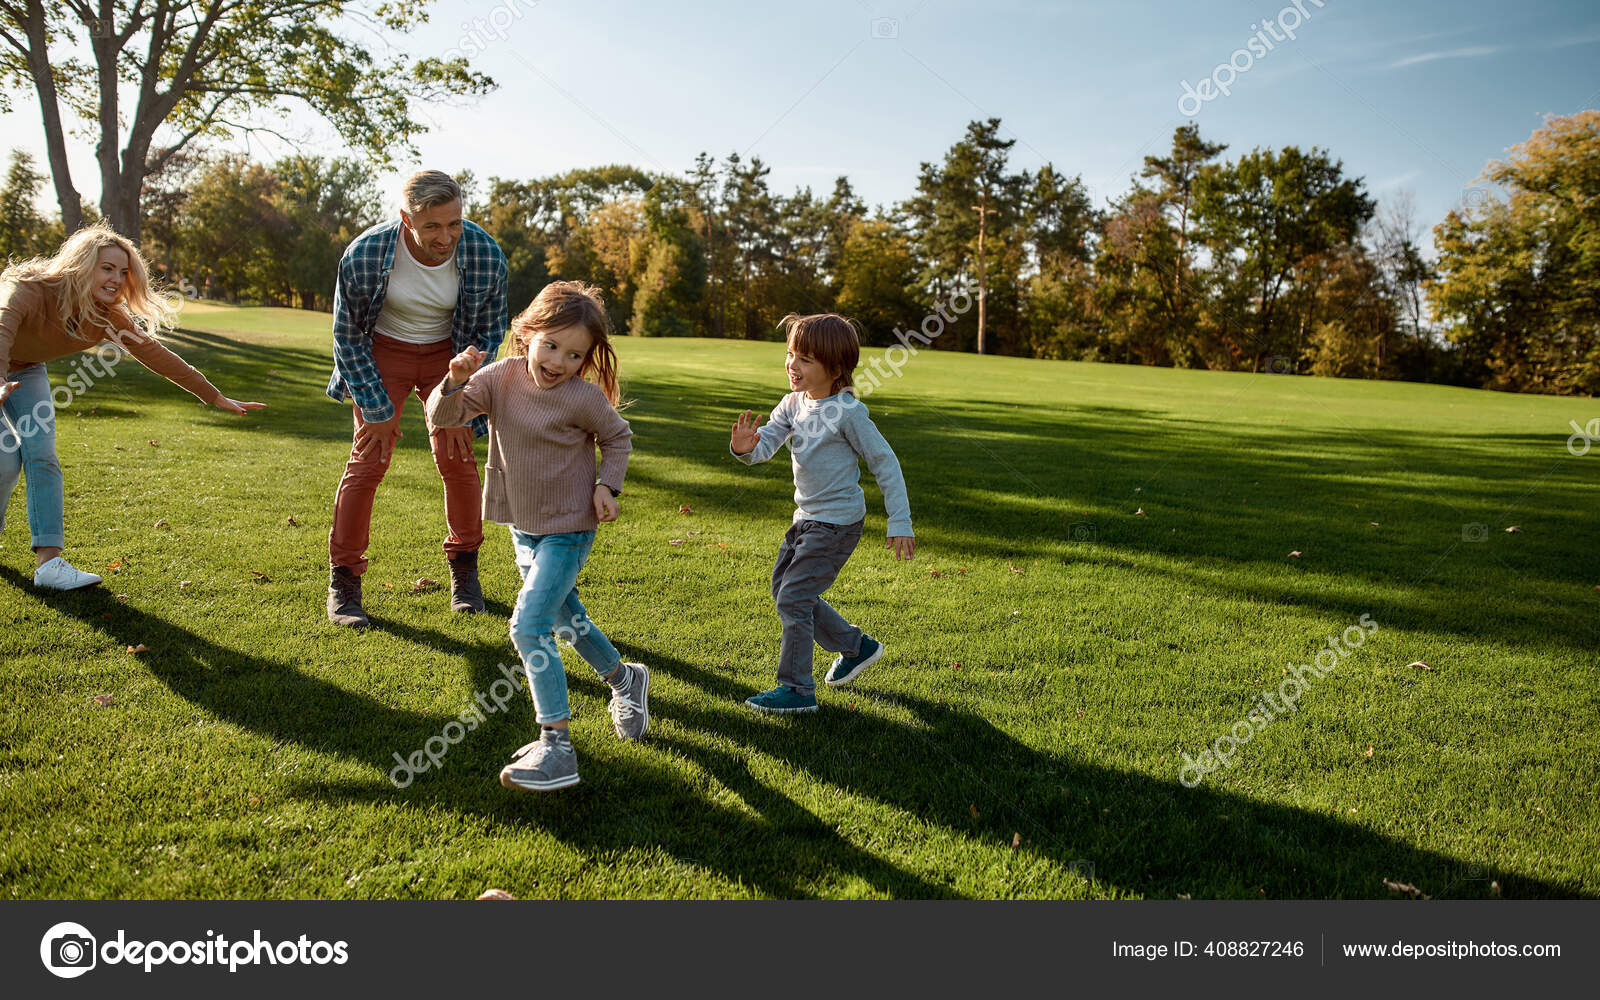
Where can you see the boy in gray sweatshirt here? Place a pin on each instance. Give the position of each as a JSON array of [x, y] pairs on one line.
[[828, 432]]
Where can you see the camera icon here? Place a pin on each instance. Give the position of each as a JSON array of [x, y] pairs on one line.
[[1083, 531], [68, 950], [1474, 532], [1280, 364], [1472, 872], [885, 27], [101, 27], [1082, 867]]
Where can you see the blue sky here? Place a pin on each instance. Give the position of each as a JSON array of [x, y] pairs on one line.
[[1411, 96]]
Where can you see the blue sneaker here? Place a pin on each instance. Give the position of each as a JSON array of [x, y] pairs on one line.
[[846, 668], [782, 700]]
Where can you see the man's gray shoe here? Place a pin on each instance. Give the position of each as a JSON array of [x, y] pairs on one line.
[[344, 599], [544, 765], [630, 707], [465, 594]]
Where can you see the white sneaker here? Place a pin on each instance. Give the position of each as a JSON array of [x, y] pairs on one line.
[[58, 574]]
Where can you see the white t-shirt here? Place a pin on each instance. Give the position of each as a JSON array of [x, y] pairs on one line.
[[421, 299]]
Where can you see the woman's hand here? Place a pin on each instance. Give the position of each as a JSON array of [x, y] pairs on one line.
[[464, 364], [605, 505], [234, 406], [7, 388], [744, 437]]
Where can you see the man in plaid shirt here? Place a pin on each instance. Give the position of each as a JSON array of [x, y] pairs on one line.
[[411, 294]]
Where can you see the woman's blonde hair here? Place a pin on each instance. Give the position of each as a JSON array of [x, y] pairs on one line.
[[71, 272], [561, 304]]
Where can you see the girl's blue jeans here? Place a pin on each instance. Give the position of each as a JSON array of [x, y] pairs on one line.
[[28, 446], [548, 608]]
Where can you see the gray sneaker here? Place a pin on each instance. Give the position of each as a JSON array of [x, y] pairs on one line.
[[544, 765], [630, 707]]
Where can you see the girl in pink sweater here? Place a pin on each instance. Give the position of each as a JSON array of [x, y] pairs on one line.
[[549, 404]]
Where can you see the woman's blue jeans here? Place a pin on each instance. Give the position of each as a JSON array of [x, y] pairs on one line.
[[28, 447], [548, 608]]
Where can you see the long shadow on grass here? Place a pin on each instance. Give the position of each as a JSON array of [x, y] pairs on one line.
[[269, 696], [951, 769]]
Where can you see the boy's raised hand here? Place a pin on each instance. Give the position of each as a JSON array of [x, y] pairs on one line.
[[464, 364], [744, 438], [7, 388], [904, 546]]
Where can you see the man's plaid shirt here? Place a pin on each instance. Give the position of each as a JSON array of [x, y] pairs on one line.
[[480, 319]]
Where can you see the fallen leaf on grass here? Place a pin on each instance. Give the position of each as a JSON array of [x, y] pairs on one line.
[[255, 800], [115, 565], [104, 699], [123, 598], [1016, 841], [162, 524], [1373, 523], [1494, 889], [974, 810], [963, 572], [496, 894], [1139, 512], [141, 648], [1419, 665], [259, 576], [1405, 889], [935, 574], [119, 447], [1369, 751], [153, 442], [674, 541], [1014, 569], [1513, 528], [955, 666], [1295, 554], [183, 584], [686, 509], [292, 522], [1185, 895], [423, 584]]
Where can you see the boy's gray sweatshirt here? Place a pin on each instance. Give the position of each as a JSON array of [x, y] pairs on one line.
[[827, 440]]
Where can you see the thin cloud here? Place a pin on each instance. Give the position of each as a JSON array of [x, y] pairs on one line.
[[1467, 53]]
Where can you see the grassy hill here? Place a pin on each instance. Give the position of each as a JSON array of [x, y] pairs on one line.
[[1106, 580]]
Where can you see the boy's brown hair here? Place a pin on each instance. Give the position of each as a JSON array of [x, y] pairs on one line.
[[560, 304], [830, 339]]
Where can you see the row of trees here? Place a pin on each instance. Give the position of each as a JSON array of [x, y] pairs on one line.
[[1276, 260]]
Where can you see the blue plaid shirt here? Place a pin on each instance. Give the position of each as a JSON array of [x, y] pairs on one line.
[[480, 318]]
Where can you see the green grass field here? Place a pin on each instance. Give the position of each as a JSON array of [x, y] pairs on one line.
[[1053, 651]]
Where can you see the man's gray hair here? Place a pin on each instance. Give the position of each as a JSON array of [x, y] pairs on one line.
[[427, 188]]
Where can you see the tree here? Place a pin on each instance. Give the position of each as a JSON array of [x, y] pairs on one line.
[[1176, 174], [876, 277], [1519, 277], [327, 203], [1266, 216], [208, 68], [23, 231]]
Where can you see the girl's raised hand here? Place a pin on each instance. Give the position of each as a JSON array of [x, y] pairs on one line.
[[464, 364], [744, 438]]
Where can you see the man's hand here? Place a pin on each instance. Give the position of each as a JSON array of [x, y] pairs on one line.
[[904, 546], [605, 505], [744, 438], [457, 443], [378, 436], [7, 388], [234, 406], [463, 365]]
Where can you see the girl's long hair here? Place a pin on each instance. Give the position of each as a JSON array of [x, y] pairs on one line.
[[560, 304], [71, 273]]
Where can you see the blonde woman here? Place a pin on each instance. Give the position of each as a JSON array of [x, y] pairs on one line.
[[95, 289]]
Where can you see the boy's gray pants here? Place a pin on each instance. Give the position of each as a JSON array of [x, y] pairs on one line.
[[812, 555]]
